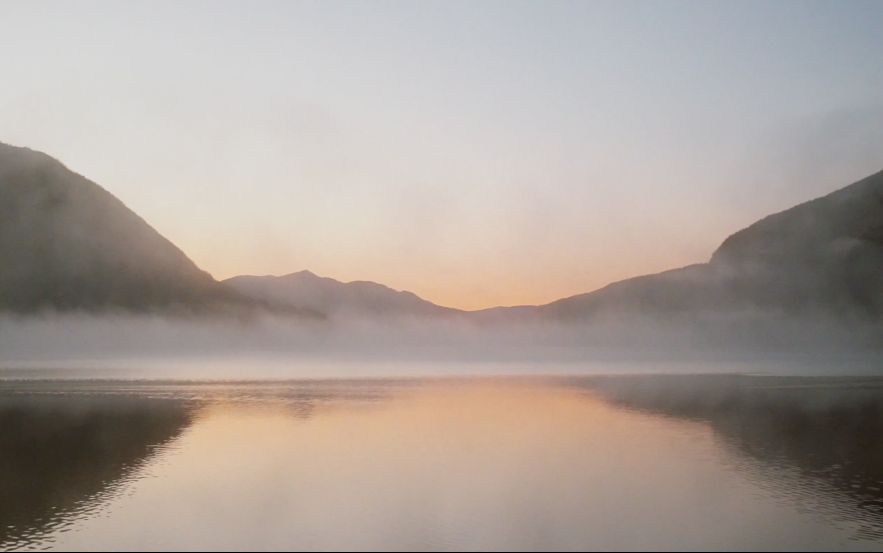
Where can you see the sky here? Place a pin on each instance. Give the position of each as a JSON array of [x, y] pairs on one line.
[[475, 153]]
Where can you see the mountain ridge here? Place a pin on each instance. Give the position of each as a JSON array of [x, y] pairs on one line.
[[334, 297], [66, 243]]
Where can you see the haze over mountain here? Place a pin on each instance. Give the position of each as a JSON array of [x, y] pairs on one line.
[[68, 244], [820, 258], [334, 298]]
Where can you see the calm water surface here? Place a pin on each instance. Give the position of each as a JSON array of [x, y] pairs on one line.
[[721, 462]]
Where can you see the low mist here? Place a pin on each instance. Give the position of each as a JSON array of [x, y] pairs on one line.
[[279, 347]]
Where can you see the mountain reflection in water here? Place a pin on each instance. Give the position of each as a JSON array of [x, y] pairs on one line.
[[704, 462], [829, 431], [62, 456]]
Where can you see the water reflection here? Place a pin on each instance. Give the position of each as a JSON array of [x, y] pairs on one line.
[[63, 455], [826, 432], [517, 464]]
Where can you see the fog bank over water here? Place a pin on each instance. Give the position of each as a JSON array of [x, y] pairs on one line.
[[277, 347]]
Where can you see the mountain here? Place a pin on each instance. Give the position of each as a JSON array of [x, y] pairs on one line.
[[325, 295], [68, 244], [820, 258]]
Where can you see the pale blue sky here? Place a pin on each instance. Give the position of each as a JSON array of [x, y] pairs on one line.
[[477, 153]]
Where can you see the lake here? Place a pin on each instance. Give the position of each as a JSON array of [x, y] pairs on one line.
[[559, 463]]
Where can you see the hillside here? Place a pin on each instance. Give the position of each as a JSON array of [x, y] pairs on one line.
[[823, 257], [68, 244]]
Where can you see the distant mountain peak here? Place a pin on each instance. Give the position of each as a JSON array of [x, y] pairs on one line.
[[305, 289], [302, 274]]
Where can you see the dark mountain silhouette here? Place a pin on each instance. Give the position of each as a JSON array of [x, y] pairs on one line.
[[823, 257], [68, 244], [334, 298]]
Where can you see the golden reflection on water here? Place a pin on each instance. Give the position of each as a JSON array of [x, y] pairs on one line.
[[468, 465]]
